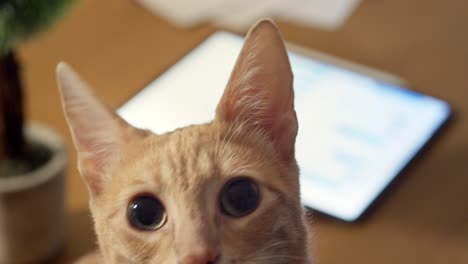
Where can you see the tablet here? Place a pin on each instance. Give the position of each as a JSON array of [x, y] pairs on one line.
[[358, 127]]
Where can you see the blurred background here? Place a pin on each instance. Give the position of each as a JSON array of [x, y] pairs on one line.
[[119, 46]]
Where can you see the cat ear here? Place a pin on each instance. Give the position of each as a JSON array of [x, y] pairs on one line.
[[97, 132], [259, 95]]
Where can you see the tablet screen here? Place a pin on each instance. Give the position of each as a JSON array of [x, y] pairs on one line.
[[356, 133]]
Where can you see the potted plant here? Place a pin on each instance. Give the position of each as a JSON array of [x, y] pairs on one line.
[[32, 156]]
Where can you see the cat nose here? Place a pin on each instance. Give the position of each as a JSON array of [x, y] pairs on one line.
[[202, 255]]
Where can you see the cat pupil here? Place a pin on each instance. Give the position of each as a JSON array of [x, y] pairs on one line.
[[239, 197], [146, 213]]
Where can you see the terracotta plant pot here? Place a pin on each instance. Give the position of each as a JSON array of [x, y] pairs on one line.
[[32, 205]]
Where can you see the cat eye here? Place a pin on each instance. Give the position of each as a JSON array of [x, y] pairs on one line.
[[146, 213], [239, 197]]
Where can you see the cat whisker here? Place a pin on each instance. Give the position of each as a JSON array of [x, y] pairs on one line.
[[265, 251], [279, 258], [274, 245]]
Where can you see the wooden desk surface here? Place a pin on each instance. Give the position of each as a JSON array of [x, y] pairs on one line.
[[119, 47]]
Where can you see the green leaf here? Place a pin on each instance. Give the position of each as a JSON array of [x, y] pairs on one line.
[[21, 19]]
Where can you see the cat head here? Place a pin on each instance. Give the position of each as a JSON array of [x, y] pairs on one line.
[[222, 192]]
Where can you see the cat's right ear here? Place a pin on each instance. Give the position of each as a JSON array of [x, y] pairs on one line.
[[259, 96], [97, 131]]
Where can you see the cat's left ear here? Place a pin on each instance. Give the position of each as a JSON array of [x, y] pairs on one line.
[[259, 95], [98, 132]]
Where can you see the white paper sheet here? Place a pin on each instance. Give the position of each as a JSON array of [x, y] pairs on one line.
[[326, 14], [183, 13], [241, 14]]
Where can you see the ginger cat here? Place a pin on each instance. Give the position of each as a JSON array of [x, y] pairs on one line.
[[216, 193]]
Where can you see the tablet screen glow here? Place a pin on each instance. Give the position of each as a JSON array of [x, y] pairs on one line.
[[356, 133]]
